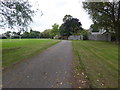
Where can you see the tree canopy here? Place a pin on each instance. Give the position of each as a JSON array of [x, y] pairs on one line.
[[70, 26], [94, 28], [46, 34], [15, 13], [55, 30], [105, 14]]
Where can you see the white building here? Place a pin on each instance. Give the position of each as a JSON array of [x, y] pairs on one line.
[[75, 37], [104, 36]]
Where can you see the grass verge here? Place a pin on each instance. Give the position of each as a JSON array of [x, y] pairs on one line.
[[15, 50], [99, 60]]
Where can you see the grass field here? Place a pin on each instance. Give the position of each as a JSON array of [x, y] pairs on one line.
[[99, 61], [15, 50]]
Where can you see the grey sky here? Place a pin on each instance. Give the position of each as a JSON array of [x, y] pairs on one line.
[[54, 11]]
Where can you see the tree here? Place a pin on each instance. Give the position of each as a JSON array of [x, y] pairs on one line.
[[94, 28], [31, 34], [8, 34], [46, 34], [85, 34], [25, 34], [55, 30], [16, 34], [15, 13], [105, 14], [67, 17], [34, 34], [70, 26]]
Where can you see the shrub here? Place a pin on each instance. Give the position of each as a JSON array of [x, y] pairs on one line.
[[85, 34]]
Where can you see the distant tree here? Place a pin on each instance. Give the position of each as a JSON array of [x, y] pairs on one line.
[[70, 26], [67, 17], [16, 34], [94, 28], [15, 13], [8, 34], [62, 30], [46, 34], [31, 34], [25, 34], [85, 34], [34, 34], [105, 14], [55, 30]]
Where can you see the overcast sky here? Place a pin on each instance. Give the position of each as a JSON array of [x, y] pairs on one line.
[[55, 10]]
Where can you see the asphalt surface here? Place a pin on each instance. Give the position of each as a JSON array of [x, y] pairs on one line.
[[49, 69]]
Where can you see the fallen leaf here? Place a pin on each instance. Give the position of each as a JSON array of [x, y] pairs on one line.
[[83, 81], [61, 83], [97, 80], [78, 74], [102, 84], [82, 73]]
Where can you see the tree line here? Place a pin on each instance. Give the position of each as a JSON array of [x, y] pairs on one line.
[[105, 16], [70, 26]]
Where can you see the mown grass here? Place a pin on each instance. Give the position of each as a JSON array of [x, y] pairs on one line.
[[15, 50], [100, 62]]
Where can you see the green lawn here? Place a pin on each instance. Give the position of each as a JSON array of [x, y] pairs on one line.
[[15, 50], [99, 61]]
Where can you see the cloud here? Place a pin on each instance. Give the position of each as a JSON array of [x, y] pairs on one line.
[[55, 10]]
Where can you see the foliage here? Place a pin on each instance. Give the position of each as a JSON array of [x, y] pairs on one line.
[[55, 30], [31, 34], [105, 14], [25, 34], [7, 34], [67, 17], [34, 34], [70, 26], [46, 34], [15, 13], [94, 28], [85, 34]]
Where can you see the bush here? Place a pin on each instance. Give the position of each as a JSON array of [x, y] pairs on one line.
[[85, 34]]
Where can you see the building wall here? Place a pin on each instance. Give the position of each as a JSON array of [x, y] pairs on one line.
[[75, 37], [103, 37]]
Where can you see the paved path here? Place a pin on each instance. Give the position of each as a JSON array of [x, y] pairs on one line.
[[51, 68]]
